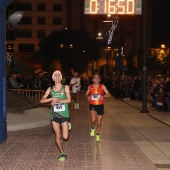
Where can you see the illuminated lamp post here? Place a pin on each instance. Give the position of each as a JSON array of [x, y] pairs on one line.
[[163, 51], [114, 54], [108, 48], [164, 56], [163, 46], [99, 36]]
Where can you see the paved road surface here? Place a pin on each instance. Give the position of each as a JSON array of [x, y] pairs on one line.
[[130, 140]]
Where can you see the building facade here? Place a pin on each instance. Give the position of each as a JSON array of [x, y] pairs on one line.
[[42, 18], [39, 21]]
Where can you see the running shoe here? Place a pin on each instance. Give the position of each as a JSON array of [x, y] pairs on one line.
[[62, 157], [75, 105], [78, 106], [92, 132], [97, 138], [69, 126]]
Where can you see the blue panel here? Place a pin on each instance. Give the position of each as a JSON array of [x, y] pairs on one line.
[[3, 122], [5, 3]]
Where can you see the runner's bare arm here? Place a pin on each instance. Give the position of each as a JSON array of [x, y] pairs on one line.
[[44, 99], [68, 99], [87, 94]]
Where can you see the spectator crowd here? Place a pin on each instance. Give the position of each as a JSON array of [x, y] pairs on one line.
[[121, 87], [32, 82]]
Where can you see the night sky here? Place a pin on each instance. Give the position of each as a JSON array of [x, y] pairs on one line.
[[161, 21]]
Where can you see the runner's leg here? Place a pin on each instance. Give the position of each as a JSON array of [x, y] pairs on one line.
[[64, 126], [99, 120], [93, 118], [56, 127], [77, 99], [93, 122]]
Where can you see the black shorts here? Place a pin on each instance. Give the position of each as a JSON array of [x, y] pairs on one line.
[[60, 120], [98, 108]]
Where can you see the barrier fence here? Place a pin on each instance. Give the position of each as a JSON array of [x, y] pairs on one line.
[[33, 95]]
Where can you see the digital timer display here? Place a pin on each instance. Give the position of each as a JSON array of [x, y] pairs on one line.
[[127, 7]]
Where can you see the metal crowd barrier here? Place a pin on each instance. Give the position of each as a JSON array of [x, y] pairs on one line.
[[33, 95]]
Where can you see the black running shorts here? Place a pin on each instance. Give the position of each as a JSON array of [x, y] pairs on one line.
[[98, 108], [60, 120]]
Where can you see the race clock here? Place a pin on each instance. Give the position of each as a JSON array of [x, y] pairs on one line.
[[118, 7]]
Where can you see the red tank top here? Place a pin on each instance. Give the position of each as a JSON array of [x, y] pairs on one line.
[[95, 93]]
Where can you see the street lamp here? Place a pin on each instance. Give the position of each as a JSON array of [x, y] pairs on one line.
[[114, 55], [107, 59], [110, 32], [107, 47], [99, 36], [163, 46]]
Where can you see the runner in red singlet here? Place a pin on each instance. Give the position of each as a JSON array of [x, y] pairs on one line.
[[95, 95]]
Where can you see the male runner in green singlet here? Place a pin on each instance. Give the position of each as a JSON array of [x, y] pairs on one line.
[[60, 97]]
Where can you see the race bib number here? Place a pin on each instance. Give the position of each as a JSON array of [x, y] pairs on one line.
[[95, 96], [58, 107]]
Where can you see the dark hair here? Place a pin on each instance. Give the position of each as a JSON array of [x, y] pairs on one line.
[[97, 74]]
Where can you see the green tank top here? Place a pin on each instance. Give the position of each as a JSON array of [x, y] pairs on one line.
[[59, 110]]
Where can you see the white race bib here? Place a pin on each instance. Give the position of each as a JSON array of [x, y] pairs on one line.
[[58, 107], [95, 96]]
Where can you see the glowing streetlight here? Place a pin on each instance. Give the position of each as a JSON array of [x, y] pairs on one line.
[[163, 46], [99, 36]]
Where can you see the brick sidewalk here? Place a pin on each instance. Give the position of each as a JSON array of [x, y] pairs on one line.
[[129, 141]]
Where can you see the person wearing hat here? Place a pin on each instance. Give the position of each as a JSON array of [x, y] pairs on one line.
[[59, 113], [75, 84]]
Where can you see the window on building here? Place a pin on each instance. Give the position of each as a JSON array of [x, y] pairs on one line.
[[41, 34], [41, 20], [26, 48], [57, 7], [23, 6], [40, 7], [10, 47], [24, 34], [25, 21], [57, 21], [10, 35]]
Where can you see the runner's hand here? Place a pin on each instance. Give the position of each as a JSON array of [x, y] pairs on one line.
[[54, 101]]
